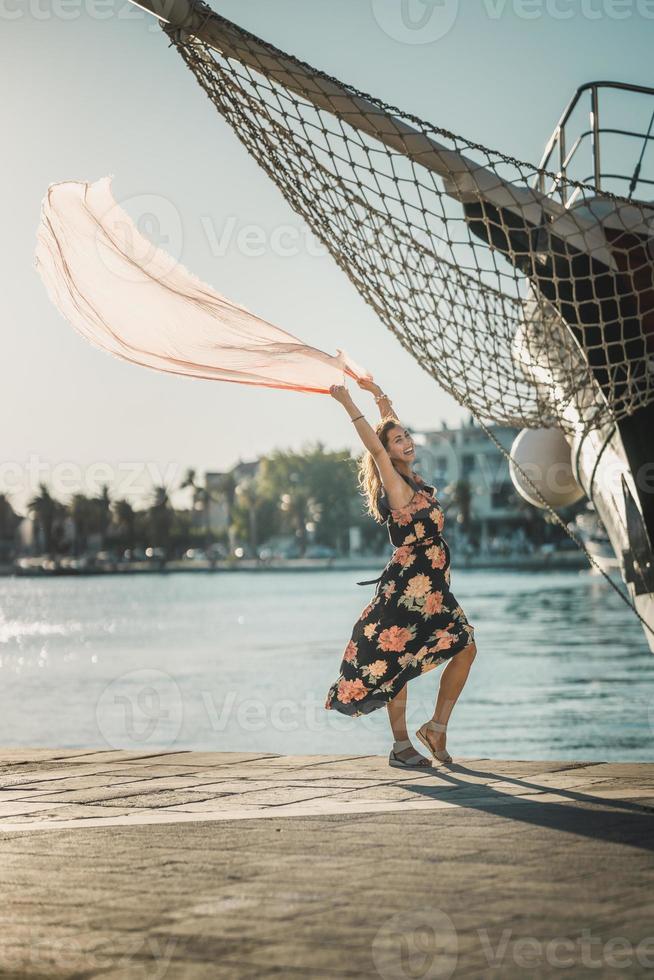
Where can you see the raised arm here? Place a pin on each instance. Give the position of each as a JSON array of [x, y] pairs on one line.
[[397, 490], [383, 401]]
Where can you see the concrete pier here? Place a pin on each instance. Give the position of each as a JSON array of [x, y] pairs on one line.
[[201, 864]]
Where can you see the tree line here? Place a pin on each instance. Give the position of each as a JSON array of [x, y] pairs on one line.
[[311, 495]]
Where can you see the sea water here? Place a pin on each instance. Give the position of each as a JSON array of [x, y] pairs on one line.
[[242, 661]]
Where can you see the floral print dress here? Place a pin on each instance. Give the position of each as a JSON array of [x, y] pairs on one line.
[[413, 623]]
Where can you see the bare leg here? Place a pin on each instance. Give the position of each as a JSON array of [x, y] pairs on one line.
[[397, 716], [452, 682]]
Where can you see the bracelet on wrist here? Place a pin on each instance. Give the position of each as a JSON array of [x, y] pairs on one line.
[[357, 418], [379, 397]]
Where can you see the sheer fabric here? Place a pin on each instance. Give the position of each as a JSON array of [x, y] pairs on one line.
[[135, 301]]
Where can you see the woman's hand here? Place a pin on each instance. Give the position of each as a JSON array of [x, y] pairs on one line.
[[368, 384], [340, 393]]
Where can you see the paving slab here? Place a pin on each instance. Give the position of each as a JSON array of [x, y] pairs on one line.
[[189, 865]]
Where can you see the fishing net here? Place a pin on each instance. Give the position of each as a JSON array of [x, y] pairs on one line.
[[528, 312]]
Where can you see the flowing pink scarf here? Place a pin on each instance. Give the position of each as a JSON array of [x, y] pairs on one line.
[[134, 300]]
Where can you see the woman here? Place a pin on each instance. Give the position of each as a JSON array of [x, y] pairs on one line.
[[413, 622]]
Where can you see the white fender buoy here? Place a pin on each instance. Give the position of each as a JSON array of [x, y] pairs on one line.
[[544, 455]]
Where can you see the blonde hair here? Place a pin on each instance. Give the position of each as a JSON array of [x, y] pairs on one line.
[[368, 475]]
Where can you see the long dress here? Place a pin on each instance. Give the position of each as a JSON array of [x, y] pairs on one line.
[[413, 623]]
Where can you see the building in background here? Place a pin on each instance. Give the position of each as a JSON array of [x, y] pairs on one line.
[[215, 514], [485, 515], [483, 509], [220, 491]]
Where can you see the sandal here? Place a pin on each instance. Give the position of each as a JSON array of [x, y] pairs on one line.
[[415, 761], [442, 755]]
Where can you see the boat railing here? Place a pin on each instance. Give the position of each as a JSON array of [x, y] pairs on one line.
[[566, 145]]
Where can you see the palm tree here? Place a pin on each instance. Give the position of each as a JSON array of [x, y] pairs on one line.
[[103, 512], [160, 518], [298, 505], [9, 521], [201, 500], [189, 481], [45, 511], [80, 509], [125, 520], [7, 516]]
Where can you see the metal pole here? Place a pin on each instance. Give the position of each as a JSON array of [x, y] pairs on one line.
[[597, 170], [562, 165]]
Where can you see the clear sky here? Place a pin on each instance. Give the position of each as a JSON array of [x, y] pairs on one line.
[[92, 88]]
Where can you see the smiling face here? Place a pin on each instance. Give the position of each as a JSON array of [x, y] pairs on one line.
[[400, 445]]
